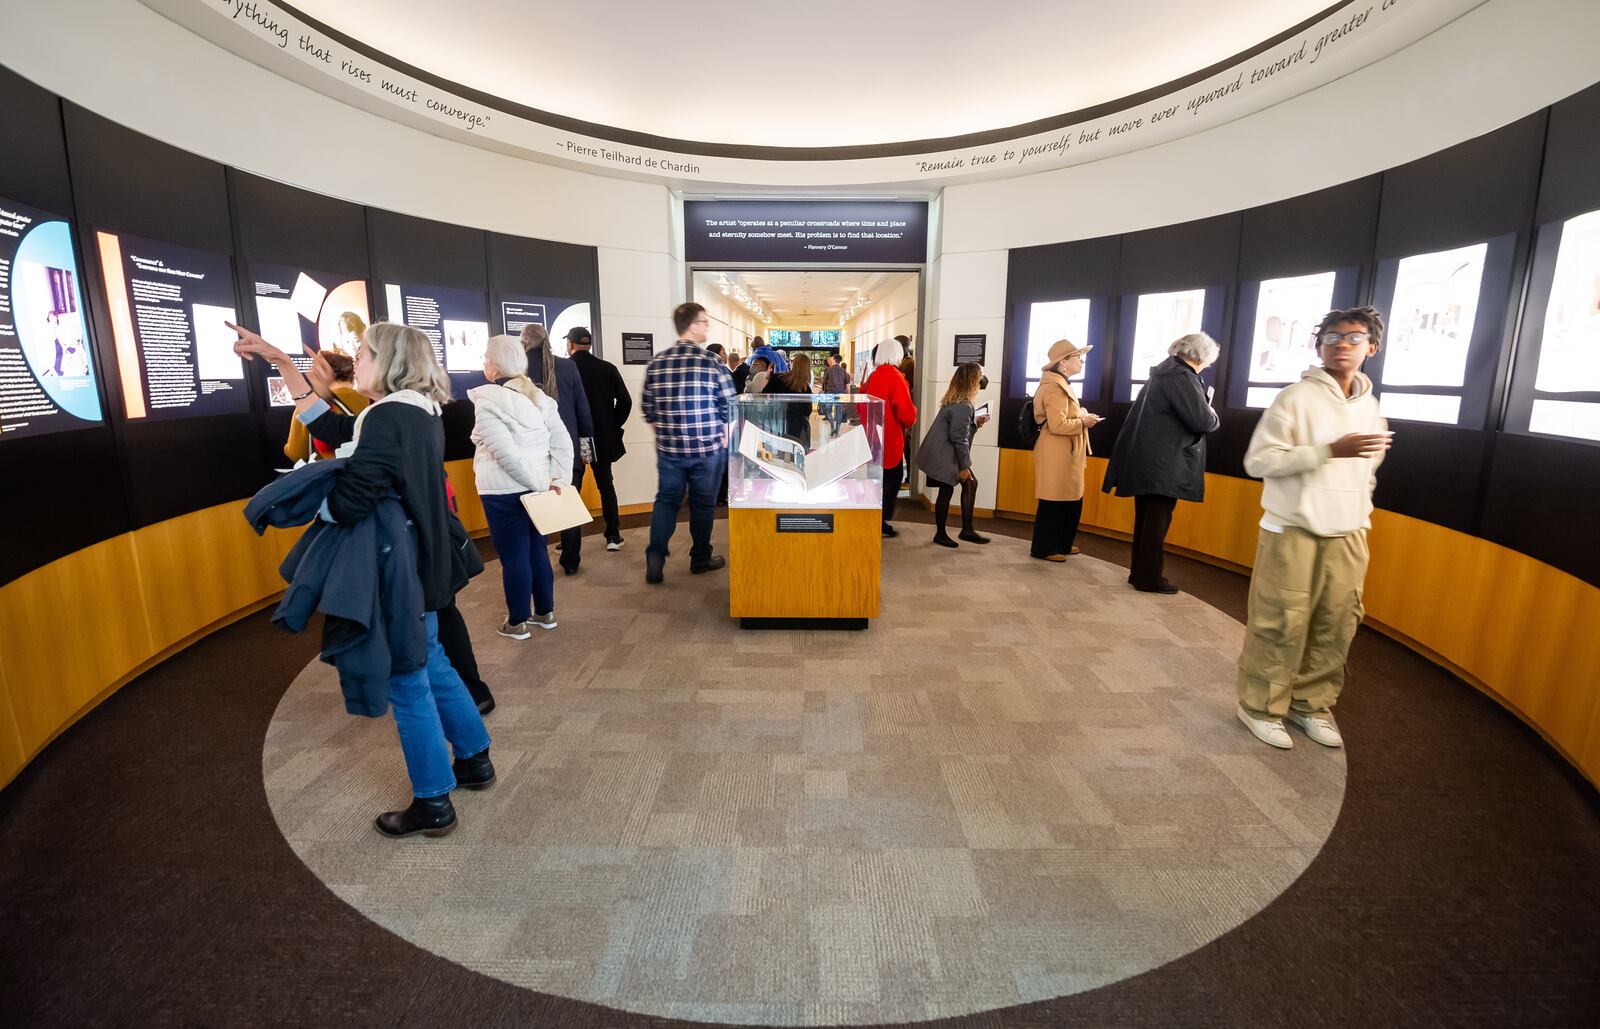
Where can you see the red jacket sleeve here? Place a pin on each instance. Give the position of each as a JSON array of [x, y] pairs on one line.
[[901, 407]]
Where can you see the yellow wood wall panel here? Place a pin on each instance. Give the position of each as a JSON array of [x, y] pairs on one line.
[[1102, 509], [469, 508], [1014, 486], [804, 575], [1589, 758], [51, 671], [201, 567], [591, 494], [12, 754], [1225, 525]]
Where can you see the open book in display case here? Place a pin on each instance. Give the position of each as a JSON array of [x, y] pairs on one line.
[[805, 510]]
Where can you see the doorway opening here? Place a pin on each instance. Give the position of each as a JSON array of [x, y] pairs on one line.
[[821, 314]]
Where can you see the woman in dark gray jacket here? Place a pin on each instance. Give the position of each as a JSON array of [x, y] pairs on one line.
[[945, 455], [1160, 454]]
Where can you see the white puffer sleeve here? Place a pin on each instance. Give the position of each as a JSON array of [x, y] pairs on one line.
[[496, 436]]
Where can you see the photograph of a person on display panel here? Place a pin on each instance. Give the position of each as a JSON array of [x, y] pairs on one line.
[[56, 342], [1431, 318]]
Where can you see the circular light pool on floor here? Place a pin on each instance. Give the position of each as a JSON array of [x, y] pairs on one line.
[[1024, 780]]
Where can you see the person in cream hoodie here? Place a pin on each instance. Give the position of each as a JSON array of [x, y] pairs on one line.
[[522, 447], [1317, 450]]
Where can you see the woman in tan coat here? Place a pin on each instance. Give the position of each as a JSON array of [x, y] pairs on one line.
[[1060, 454]]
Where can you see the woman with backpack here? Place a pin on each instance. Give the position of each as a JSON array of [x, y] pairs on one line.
[[1060, 454]]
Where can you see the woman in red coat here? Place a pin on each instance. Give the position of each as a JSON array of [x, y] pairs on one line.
[[899, 415]]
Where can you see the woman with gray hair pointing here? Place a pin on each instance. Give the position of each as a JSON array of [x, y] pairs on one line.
[[1160, 454]]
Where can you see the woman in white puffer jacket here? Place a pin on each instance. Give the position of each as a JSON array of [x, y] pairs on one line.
[[522, 447]]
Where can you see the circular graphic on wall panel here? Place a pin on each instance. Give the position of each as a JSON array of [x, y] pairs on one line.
[[49, 316], [334, 331]]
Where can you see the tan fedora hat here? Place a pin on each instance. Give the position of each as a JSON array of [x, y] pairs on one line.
[[1064, 348]]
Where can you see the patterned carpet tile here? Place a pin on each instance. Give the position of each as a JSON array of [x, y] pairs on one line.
[[1023, 781]]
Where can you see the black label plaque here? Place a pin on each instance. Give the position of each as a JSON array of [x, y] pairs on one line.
[[805, 523], [970, 349], [638, 347]]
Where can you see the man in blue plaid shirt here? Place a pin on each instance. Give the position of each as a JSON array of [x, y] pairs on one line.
[[688, 399]]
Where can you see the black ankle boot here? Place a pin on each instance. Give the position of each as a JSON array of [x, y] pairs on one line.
[[475, 772], [430, 816]]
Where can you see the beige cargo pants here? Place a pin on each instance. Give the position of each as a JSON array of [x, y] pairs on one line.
[[1305, 607]]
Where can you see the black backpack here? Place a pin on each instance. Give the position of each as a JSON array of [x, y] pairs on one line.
[[1027, 429]]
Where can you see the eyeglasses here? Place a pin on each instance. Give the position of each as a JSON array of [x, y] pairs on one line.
[[1333, 339]]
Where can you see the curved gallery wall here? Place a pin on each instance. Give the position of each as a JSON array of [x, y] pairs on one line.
[[1485, 258], [136, 435], [183, 572]]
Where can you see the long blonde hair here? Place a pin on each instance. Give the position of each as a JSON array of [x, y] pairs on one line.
[[536, 342], [404, 360], [963, 386]]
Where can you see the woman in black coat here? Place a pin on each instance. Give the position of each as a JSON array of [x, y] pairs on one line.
[[1160, 454], [398, 450]]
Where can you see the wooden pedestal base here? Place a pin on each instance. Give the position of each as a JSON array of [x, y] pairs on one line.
[[803, 577]]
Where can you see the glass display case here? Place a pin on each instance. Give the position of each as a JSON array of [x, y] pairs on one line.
[[806, 451]]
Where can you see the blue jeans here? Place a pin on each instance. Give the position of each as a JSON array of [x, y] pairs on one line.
[[524, 559], [431, 705], [700, 476]]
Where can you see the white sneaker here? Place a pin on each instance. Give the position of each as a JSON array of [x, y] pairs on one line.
[[1268, 730], [1319, 726], [614, 543], [518, 631], [544, 621]]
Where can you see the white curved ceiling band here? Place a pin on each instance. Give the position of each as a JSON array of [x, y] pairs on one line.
[[1356, 34]]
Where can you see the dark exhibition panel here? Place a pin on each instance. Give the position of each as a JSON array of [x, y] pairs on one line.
[[72, 478], [1191, 256], [416, 250], [1526, 492], [132, 185], [518, 265], [1540, 493], [1083, 269], [196, 241], [280, 226], [445, 262], [1330, 230]]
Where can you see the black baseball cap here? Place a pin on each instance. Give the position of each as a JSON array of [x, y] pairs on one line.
[[579, 334]]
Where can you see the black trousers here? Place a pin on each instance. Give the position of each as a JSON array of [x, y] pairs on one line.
[[1152, 517], [892, 478], [457, 646], [608, 498], [1055, 526], [572, 539]]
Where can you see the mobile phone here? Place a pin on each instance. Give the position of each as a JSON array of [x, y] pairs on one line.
[[981, 412]]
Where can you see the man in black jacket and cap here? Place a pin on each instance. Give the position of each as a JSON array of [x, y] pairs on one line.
[[609, 407]]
